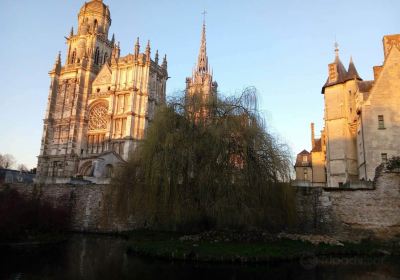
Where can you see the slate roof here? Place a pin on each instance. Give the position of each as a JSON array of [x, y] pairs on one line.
[[317, 145], [300, 162]]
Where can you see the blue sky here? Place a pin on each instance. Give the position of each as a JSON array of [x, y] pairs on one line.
[[281, 47]]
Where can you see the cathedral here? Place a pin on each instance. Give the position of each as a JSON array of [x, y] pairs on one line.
[[362, 123], [100, 103]]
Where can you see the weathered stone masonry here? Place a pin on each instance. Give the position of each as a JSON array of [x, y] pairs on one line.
[[339, 213], [352, 213]]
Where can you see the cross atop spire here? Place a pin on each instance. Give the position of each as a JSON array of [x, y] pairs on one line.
[[204, 13], [336, 49], [202, 63]]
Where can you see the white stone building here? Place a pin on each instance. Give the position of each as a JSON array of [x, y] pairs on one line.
[[100, 103]]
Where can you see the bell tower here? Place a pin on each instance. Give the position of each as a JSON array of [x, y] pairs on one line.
[[65, 122], [90, 44]]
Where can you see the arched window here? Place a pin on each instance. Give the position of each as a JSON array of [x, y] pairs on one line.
[[73, 57], [105, 58], [97, 56], [95, 25]]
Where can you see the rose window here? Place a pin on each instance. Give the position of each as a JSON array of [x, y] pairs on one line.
[[98, 117]]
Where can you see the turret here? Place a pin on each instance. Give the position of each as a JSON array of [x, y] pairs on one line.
[[337, 74], [352, 71]]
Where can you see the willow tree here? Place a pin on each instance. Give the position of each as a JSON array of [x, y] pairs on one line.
[[220, 170]]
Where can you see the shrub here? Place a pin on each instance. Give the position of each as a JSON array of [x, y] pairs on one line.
[[393, 163], [23, 218]]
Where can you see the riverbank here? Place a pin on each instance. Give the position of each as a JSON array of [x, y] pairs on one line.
[[250, 247]]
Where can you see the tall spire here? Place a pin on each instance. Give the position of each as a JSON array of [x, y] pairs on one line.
[[202, 63]]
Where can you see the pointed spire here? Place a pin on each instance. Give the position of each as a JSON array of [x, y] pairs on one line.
[[352, 72], [113, 39], [156, 59], [148, 51], [202, 63], [57, 64], [165, 63], [137, 48], [72, 32]]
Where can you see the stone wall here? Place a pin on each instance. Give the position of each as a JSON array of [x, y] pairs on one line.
[[94, 208], [349, 213], [337, 212]]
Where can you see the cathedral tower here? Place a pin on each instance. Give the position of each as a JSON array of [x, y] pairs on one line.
[[200, 88], [99, 103]]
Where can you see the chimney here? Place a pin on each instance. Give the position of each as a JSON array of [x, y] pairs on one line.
[[312, 136]]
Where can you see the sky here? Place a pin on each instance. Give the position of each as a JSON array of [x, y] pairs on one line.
[[280, 47]]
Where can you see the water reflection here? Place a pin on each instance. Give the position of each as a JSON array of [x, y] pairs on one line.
[[103, 257]]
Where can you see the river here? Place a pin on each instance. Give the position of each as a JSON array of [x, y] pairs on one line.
[[103, 257]]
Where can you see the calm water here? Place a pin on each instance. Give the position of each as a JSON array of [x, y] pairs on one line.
[[102, 257]]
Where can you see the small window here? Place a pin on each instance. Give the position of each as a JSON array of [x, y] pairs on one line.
[[305, 171], [98, 90], [305, 159], [381, 122], [384, 157]]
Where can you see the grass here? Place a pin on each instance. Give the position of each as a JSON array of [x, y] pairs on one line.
[[168, 246]]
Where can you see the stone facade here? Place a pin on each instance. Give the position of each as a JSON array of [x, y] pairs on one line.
[[352, 213], [100, 103], [362, 120], [310, 166]]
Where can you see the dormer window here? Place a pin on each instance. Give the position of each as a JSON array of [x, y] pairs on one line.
[[333, 75], [305, 159]]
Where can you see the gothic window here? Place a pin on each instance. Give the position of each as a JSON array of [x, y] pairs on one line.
[[95, 25], [105, 58], [73, 56], [98, 117], [97, 56]]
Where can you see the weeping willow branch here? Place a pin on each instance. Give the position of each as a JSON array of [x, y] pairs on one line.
[[209, 164]]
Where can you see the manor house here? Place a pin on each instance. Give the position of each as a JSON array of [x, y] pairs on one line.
[[362, 123]]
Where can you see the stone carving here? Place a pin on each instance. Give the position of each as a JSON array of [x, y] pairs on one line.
[[98, 117]]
